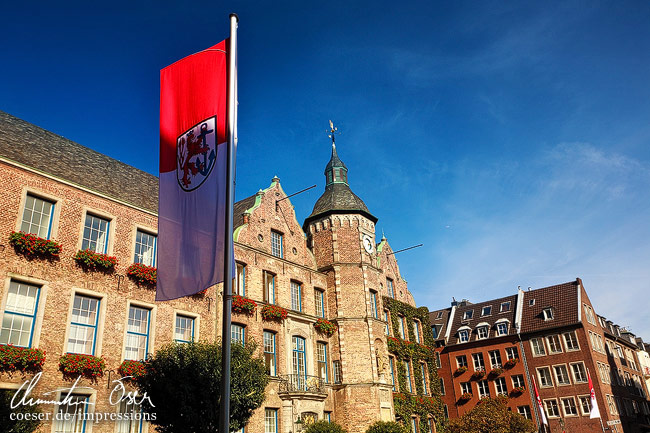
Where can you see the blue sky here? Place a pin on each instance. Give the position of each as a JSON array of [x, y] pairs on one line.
[[512, 139]]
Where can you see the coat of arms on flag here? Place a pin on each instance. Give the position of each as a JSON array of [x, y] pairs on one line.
[[196, 154]]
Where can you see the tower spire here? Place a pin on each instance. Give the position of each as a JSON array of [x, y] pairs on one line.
[[333, 131]]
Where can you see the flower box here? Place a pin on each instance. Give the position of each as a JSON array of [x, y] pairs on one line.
[[460, 370], [21, 359], [496, 372], [31, 245], [511, 363], [243, 305], [200, 294], [518, 390], [142, 274], [325, 327], [131, 369], [88, 366], [479, 374], [465, 396], [273, 312], [90, 260]]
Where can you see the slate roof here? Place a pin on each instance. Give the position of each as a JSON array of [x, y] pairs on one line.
[[441, 321], [52, 154], [491, 319], [335, 161], [562, 298], [239, 208]]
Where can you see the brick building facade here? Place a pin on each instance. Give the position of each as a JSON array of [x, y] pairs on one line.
[[557, 339], [330, 268]]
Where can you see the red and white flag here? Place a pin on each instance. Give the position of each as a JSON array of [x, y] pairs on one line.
[[594, 413], [539, 404], [192, 195]]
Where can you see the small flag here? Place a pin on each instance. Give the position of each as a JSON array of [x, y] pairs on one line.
[[192, 183], [539, 404], [594, 412]]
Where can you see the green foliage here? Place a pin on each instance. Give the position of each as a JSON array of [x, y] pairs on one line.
[[324, 426], [491, 415], [387, 427], [33, 246], [191, 373], [325, 327], [90, 260], [88, 366], [21, 359], [15, 426], [142, 274]]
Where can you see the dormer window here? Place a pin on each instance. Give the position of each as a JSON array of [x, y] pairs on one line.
[[502, 327], [467, 315], [482, 332], [463, 336], [486, 311], [547, 313]]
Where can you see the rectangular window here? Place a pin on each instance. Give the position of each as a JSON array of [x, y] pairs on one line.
[[517, 380], [95, 236], [319, 302], [83, 325], [463, 336], [611, 405], [537, 345], [392, 371], [571, 341], [423, 371], [545, 379], [276, 244], [442, 386], [20, 314], [466, 387], [435, 329], [402, 327], [500, 385], [524, 411], [414, 425], [338, 371], [296, 296], [387, 320], [486, 311], [373, 304], [579, 374], [552, 409], [569, 406], [547, 313], [495, 359], [445, 411], [407, 369], [483, 388], [37, 217], [461, 361], [554, 345], [131, 420], [391, 289], [502, 328], [321, 358], [436, 359], [269, 353], [237, 333], [561, 375], [505, 306], [70, 417], [270, 421], [145, 248], [416, 331], [479, 364], [240, 279], [327, 416], [137, 333], [585, 404], [467, 315], [184, 331], [269, 287], [482, 332], [512, 353]]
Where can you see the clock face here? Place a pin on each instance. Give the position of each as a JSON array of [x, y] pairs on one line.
[[367, 244]]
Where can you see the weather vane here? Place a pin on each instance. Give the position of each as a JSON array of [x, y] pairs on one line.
[[333, 132]]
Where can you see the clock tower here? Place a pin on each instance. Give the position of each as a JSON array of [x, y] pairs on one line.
[[341, 233]]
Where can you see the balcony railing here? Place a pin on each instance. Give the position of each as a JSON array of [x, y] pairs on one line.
[[301, 383]]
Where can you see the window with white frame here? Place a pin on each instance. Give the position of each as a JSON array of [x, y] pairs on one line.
[[71, 413], [467, 315], [461, 361], [414, 425], [145, 248], [83, 325], [585, 404], [502, 328], [184, 329], [561, 374], [276, 244], [482, 332], [500, 386], [269, 353], [240, 279], [486, 311], [554, 344], [552, 409], [589, 314], [512, 353], [571, 340], [390, 287], [95, 235], [479, 363], [416, 331], [466, 387], [237, 333], [20, 314], [579, 373], [517, 381], [296, 296], [37, 216], [495, 358], [137, 333], [435, 330], [547, 313], [569, 406], [537, 345], [463, 336], [611, 405], [270, 420], [269, 287], [505, 306], [483, 388], [524, 411], [544, 375]]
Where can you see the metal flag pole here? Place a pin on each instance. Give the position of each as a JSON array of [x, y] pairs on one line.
[[224, 408]]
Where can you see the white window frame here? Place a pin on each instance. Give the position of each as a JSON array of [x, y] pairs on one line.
[[550, 377], [557, 379], [584, 371], [543, 346], [557, 407], [569, 398], [554, 340], [574, 338]]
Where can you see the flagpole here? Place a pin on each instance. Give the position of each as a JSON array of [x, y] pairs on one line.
[[224, 408]]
